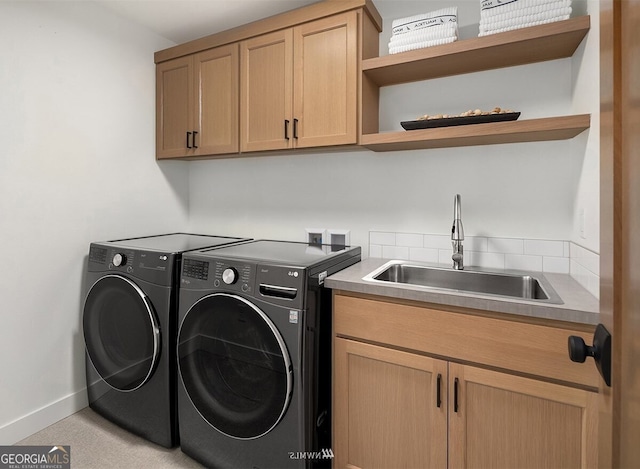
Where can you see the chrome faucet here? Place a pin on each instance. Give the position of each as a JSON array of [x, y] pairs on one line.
[[457, 235]]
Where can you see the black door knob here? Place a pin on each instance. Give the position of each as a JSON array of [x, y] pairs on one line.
[[600, 351], [579, 351]]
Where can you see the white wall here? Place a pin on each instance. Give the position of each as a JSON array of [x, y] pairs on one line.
[[77, 113], [532, 190], [585, 98]]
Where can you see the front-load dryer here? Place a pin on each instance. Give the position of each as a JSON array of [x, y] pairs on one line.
[[254, 354], [129, 325]]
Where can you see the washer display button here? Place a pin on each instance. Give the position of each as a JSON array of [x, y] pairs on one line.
[[198, 270]]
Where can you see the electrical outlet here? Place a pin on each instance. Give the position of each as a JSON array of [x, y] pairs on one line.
[[339, 238], [316, 236]]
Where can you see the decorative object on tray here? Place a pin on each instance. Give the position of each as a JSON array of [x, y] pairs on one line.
[[425, 30], [468, 117], [497, 16]]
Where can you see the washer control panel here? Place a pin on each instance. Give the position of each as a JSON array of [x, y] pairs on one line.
[[121, 260], [235, 275], [227, 275], [275, 284]]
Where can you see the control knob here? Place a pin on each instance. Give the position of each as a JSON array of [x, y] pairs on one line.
[[119, 259], [230, 275]]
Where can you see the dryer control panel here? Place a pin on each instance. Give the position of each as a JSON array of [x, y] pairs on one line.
[[276, 284], [154, 267]]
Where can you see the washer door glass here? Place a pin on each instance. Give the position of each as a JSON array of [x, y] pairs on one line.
[[120, 332], [234, 366]]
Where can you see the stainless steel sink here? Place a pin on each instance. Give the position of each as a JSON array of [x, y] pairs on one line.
[[514, 284]]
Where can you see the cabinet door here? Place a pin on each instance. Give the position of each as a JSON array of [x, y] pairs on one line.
[[508, 421], [326, 81], [217, 101], [174, 98], [386, 410], [265, 93]]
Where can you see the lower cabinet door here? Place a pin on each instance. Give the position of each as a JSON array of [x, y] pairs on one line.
[[498, 420], [390, 408]]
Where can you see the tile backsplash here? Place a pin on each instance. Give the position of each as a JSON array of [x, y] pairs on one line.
[[554, 256]]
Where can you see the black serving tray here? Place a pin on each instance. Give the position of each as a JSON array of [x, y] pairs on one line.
[[449, 121]]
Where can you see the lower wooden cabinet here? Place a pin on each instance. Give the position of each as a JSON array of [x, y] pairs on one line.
[[506, 421], [394, 408], [385, 408]]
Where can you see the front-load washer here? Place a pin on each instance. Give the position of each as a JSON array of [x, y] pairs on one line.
[[130, 326], [254, 354]]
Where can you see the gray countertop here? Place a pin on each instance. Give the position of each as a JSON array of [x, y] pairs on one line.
[[579, 306]]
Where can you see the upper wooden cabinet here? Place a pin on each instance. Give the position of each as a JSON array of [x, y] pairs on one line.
[[266, 82], [299, 86], [197, 104], [289, 81], [174, 106]]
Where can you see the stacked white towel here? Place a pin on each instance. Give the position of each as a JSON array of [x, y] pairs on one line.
[[425, 30], [497, 16]]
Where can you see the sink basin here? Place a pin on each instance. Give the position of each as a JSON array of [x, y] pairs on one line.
[[520, 285]]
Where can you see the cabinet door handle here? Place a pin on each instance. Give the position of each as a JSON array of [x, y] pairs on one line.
[[438, 392], [600, 351], [455, 395], [194, 139], [188, 135], [286, 129], [295, 128]]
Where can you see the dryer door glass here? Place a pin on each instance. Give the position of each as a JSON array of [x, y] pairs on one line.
[[120, 332], [234, 366]]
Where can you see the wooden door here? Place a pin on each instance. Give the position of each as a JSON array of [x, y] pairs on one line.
[[506, 421], [174, 98], [386, 410], [217, 101], [325, 81], [266, 91], [620, 229]]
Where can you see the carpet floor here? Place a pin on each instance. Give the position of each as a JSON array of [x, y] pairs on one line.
[[96, 443]]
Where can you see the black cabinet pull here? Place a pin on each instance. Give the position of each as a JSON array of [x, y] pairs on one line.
[[194, 139], [438, 395], [188, 135], [455, 395], [295, 128], [286, 129]]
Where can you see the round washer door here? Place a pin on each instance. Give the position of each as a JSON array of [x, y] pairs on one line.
[[234, 366], [121, 332]]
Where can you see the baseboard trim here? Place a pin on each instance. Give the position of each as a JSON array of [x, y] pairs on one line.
[[19, 429]]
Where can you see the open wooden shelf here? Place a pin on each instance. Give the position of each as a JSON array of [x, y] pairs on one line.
[[522, 46], [531, 130]]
